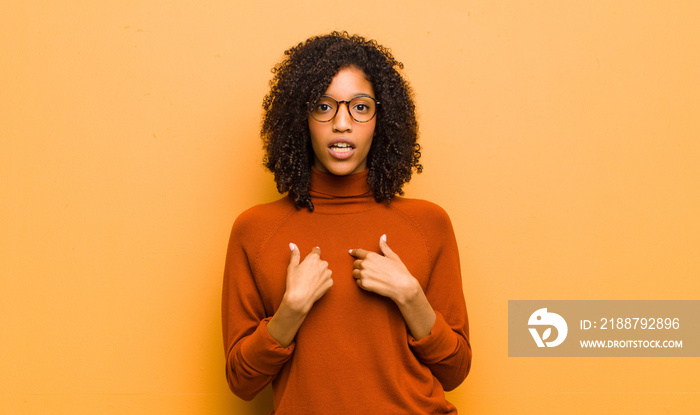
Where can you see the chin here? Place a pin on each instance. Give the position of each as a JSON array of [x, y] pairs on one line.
[[343, 169], [341, 172]]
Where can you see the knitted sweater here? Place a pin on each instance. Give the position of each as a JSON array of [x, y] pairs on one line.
[[353, 353]]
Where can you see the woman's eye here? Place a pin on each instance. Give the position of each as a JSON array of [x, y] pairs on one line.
[[361, 108], [323, 108]]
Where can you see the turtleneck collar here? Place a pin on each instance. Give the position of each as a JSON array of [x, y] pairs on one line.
[[333, 194]]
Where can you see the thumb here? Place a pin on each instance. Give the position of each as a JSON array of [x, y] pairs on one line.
[[384, 246], [294, 258]]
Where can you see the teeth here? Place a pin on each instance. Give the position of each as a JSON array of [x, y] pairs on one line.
[[341, 147], [338, 149]]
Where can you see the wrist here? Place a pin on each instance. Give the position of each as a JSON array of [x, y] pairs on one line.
[[293, 307], [409, 293]]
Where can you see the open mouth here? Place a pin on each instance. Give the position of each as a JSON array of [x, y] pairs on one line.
[[341, 150]]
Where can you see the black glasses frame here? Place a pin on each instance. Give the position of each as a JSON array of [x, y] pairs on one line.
[[347, 105]]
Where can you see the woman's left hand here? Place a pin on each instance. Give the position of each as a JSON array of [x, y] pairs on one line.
[[384, 274]]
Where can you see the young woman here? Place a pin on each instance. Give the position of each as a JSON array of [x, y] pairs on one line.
[[345, 296]]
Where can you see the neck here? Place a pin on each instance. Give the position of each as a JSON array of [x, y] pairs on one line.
[[333, 194]]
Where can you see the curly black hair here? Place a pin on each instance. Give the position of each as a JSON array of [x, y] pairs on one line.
[[302, 78]]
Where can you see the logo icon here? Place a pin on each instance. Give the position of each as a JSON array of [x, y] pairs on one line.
[[542, 318]]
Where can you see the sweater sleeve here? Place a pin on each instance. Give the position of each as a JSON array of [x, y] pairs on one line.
[[253, 357], [446, 351]]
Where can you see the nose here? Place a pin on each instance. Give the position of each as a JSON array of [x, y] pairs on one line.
[[342, 120]]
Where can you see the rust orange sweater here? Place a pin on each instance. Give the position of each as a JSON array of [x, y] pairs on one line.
[[353, 354]]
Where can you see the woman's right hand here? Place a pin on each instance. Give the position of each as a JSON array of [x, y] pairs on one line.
[[307, 280]]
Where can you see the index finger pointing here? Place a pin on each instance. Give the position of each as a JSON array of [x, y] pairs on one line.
[[358, 253]]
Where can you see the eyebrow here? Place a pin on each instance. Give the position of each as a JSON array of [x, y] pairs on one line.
[[354, 96]]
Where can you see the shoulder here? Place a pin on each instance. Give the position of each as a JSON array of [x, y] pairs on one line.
[[259, 219], [428, 215]]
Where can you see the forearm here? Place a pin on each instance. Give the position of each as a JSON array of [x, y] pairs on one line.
[[417, 311], [285, 323]]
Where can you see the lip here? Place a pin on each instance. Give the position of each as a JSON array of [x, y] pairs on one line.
[[341, 155]]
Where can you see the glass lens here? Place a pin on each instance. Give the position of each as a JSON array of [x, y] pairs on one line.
[[325, 109], [362, 108]]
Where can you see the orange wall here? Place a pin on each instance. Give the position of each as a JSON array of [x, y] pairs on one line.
[[561, 136]]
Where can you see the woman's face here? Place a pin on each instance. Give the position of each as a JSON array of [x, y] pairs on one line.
[[341, 145]]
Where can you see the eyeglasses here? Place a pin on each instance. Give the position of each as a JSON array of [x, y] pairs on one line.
[[362, 108]]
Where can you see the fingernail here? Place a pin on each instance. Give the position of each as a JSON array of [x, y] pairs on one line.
[[383, 238], [350, 251], [292, 246]]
